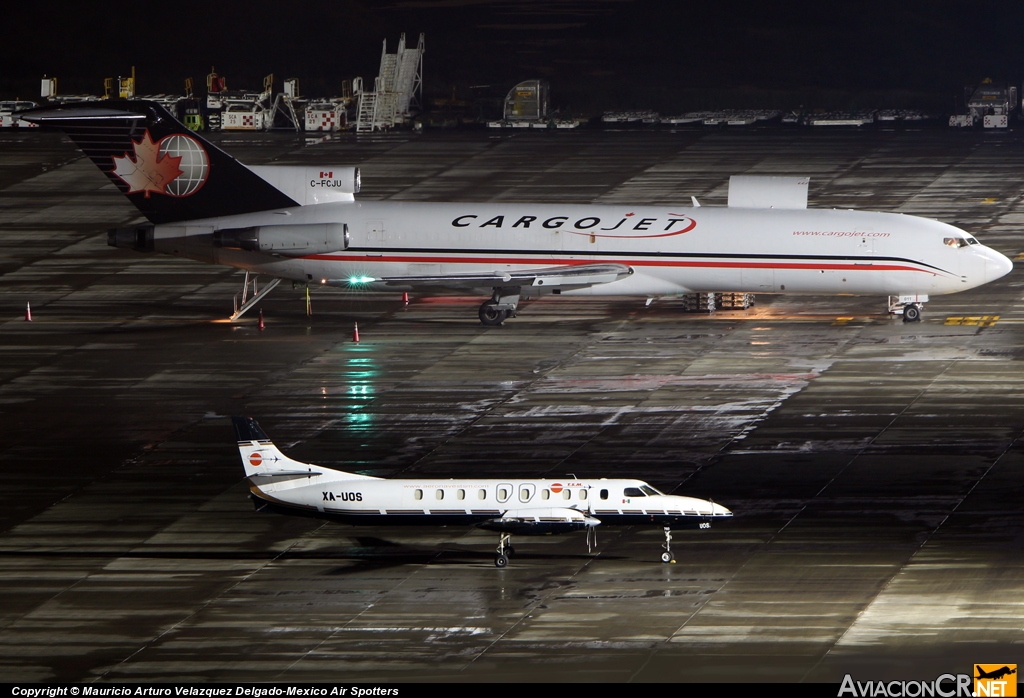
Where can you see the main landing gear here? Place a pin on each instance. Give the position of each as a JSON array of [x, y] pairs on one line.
[[911, 312], [505, 550], [667, 556], [502, 305]]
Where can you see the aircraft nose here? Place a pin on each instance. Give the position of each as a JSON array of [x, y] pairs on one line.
[[996, 266], [719, 510]]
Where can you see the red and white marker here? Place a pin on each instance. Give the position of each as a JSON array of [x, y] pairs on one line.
[[28, 311], [261, 325], [405, 298], [355, 333]]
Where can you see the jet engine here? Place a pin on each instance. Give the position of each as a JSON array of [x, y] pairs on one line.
[[287, 240]]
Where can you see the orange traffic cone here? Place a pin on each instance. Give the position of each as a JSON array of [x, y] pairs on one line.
[[28, 311], [355, 333], [261, 325]]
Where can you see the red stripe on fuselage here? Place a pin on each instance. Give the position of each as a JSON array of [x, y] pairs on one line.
[[533, 261]]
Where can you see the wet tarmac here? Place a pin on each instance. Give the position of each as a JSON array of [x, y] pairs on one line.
[[875, 467]]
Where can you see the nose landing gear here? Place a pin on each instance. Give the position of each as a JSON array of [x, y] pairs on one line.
[[911, 312]]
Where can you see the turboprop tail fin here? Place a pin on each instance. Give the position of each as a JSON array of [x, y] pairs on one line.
[[261, 458]]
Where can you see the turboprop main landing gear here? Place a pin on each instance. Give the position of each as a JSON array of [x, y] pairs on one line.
[[502, 305], [505, 550], [667, 556]]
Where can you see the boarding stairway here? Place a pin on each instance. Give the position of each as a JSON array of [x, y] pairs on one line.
[[396, 91]]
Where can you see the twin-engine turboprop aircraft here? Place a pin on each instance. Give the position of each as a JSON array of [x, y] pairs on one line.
[[508, 506], [303, 224]]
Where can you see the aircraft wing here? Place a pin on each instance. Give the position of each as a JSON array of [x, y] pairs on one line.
[[564, 276]]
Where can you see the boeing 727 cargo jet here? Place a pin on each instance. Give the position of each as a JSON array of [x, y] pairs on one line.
[[509, 506], [303, 224]]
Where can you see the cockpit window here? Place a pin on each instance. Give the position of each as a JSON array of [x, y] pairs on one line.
[[650, 491], [633, 492], [956, 242], [971, 240]]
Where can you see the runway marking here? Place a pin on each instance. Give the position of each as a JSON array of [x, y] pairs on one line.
[[978, 320]]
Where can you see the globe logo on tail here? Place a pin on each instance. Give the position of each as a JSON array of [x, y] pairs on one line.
[[194, 165], [176, 165]]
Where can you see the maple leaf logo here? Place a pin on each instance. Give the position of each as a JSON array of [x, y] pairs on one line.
[[147, 171]]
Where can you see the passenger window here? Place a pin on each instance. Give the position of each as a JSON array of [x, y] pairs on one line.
[[545, 494], [504, 492], [566, 493], [462, 494], [481, 494], [439, 494], [418, 494], [583, 494], [604, 494]]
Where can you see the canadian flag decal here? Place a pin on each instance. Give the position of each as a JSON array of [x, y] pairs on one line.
[[326, 175]]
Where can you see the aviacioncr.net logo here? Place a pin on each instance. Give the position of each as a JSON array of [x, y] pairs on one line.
[[944, 686]]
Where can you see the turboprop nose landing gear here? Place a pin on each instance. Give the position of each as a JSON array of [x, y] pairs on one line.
[[667, 556], [911, 312]]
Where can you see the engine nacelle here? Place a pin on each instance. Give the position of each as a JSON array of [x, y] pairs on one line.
[[287, 240]]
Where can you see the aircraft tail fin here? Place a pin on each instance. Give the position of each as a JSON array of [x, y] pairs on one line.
[[167, 171], [261, 458]]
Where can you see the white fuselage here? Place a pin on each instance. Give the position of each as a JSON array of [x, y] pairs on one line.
[[315, 490], [670, 249], [332, 493]]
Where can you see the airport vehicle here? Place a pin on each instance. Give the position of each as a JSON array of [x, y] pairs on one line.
[[303, 224], [7, 117], [509, 505]]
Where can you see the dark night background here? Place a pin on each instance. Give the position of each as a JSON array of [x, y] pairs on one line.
[[597, 54]]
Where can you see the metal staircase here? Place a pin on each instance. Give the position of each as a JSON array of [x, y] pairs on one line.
[[396, 90]]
